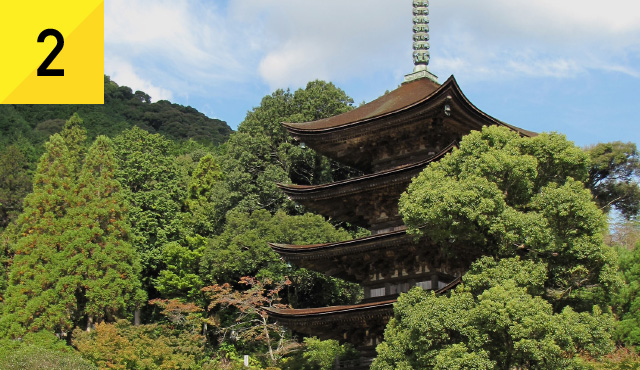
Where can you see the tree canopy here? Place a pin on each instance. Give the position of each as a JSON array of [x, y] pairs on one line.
[[614, 175], [122, 110], [494, 321], [503, 195], [160, 212], [262, 154]]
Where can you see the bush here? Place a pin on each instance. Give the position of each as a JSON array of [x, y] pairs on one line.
[[150, 347], [621, 359], [32, 357]]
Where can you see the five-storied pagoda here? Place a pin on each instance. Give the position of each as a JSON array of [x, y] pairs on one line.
[[392, 139]]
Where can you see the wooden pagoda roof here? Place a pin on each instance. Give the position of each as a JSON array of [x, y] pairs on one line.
[[331, 310], [328, 322], [405, 97], [355, 200], [335, 310], [313, 252], [352, 260], [415, 113], [356, 260]]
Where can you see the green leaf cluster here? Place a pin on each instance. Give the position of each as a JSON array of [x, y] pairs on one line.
[[242, 249], [613, 177], [123, 346], [262, 154], [628, 301], [41, 350], [503, 195], [316, 354], [15, 183], [491, 322], [122, 110], [154, 190]]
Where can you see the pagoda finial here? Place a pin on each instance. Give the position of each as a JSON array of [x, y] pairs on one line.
[[421, 54], [420, 34]]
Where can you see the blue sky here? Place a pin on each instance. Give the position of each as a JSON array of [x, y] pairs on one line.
[[571, 66]]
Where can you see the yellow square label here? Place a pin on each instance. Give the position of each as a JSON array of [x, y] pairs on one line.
[[41, 39]]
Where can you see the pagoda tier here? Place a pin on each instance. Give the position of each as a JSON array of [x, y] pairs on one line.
[[342, 322], [384, 264], [411, 123], [369, 201], [360, 324]]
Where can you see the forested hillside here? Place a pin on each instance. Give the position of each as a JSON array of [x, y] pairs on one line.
[[135, 235], [25, 128], [122, 109]]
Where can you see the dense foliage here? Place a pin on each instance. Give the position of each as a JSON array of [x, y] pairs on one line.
[[494, 321], [122, 110], [503, 195], [72, 261], [613, 177], [15, 183], [111, 223], [147, 250]]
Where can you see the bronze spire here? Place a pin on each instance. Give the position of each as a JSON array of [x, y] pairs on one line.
[[421, 46]]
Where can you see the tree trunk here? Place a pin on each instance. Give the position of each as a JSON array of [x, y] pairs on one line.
[[136, 317], [266, 333]]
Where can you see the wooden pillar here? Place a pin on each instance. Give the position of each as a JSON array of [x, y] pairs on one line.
[[434, 281]]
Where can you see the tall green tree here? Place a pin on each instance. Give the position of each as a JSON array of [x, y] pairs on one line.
[[33, 299], [203, 216], [495, 321], [180, 278], [72, 261], [613, 177], [262, 153], [75, 137], [503, 195], [101, 267], [155, 193]]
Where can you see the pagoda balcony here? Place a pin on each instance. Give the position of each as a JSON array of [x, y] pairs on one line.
[[369, 201], [384, 260], [360, 324]]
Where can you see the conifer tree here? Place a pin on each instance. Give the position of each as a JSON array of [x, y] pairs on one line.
[[33, 300], [75, 137], [100, 261], [73, 262]]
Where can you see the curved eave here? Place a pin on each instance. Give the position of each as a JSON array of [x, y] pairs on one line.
[[327, 312], [353, 118], [310, 251], [454, 283], [378, 108], [360, 181]]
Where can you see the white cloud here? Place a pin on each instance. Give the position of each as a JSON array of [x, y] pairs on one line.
[[124, 74], [559, 38], [183, 46], [336, 39], [332, 39], [204, 47]]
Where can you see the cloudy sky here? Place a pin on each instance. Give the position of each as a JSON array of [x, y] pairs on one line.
[[571, 66]]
